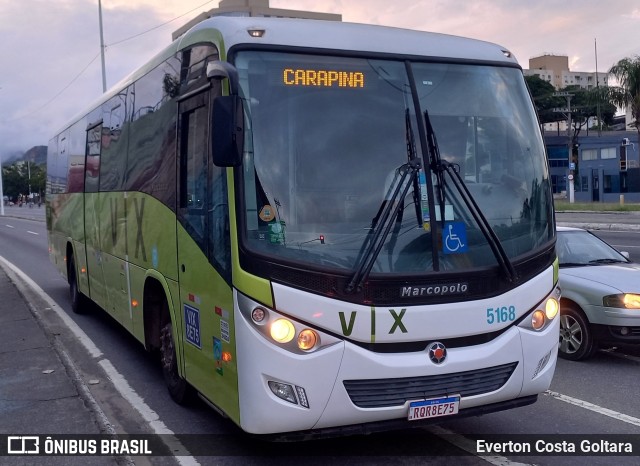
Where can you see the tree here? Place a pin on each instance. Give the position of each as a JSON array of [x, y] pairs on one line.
[[544, 100], [584, 106], [627, 93], [16, 179]]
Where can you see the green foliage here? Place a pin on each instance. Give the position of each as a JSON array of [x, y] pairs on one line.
[[584, 103], [17, 178], [544, 100], [627, 93]]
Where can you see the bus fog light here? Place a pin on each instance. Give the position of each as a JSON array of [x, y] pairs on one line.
[[307, 339], [283, 391], [537, 319], [282, 331], [551, 308], [258, 315]]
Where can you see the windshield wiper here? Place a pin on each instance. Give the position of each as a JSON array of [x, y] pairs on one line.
[[382, 222], [574, 264], [439, 167], [607, 261]]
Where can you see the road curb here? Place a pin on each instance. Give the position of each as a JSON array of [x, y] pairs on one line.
[[601, 226]]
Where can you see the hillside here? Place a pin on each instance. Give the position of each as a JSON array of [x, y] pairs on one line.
[[36, 155]]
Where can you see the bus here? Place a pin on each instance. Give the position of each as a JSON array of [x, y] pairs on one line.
[[321, 227]]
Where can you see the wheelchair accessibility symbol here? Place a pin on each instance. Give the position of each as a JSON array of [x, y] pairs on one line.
[[454, 238]]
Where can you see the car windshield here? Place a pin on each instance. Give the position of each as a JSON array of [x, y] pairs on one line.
[[326, 136], [579, 247]]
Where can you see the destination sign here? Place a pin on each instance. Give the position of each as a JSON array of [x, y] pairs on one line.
[[322, 78]]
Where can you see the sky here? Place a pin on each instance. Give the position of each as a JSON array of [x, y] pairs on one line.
[[50, 49]]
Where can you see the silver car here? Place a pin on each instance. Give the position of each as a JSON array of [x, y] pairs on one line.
[[600, 302]]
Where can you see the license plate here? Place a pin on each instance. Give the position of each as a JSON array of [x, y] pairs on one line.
[[434, 407]]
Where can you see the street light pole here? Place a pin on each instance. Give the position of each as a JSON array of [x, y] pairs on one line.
[[595, 46], [1, 193], [29, 174], [104, 73]]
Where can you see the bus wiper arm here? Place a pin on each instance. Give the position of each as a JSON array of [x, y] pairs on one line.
[[439, 167], [382, 223], [493, 240]]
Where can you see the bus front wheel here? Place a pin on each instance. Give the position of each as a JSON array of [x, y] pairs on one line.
[[179, 389]]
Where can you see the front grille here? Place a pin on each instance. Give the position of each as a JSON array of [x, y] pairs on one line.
[[382, 393]]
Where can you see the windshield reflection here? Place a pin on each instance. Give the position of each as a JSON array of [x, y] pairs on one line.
[[321, 156]]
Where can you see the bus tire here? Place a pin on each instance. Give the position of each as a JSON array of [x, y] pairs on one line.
[[79, 302], [576, 338], [179, 389]]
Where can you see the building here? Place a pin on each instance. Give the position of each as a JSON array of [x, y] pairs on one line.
[[607, 166], [555, 70], [253, 8]]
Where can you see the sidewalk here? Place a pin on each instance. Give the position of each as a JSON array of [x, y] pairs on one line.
[[593, 220], [38, 392]]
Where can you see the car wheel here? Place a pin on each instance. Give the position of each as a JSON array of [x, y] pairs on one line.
[[576, 339], [179, 389]]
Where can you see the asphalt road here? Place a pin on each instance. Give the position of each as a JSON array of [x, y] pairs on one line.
[[593, 397]]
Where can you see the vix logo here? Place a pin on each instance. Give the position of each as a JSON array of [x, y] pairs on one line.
[[397, 324]]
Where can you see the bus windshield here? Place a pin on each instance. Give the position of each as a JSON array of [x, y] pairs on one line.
[[326, 136]]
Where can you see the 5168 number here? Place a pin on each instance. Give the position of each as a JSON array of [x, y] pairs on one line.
[[502, 314]]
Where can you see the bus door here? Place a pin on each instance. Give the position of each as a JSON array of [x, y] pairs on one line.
[[95, 258], [194, 272]]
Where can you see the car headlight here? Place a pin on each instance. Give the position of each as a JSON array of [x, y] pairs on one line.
[[625, 301]]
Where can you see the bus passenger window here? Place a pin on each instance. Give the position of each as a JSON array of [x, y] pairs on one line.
[[94, 148]]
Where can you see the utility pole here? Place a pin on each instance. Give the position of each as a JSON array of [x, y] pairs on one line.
[[572, 166], [104, 73], [1, 193], [595, 45]]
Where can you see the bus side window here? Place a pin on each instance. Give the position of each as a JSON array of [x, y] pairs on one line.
[[92, 164]]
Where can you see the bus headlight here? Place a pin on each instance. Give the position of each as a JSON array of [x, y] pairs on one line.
[[307, 339], [551, 308], [537, 319], [544, 313], [258, 315], [282, 331], [285, 331]]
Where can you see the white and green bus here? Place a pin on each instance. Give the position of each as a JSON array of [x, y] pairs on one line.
[[321, 227]]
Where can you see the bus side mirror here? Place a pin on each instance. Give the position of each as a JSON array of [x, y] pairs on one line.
[[227, 131], [227, 118]]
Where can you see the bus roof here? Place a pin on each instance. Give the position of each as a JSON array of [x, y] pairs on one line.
[[352, 37], [319, 34]]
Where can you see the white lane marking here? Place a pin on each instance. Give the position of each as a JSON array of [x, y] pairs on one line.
[[180, 453], [595, 408], [469, 446], [84, 339], [119, 382], [9, 226], [33, 233]]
